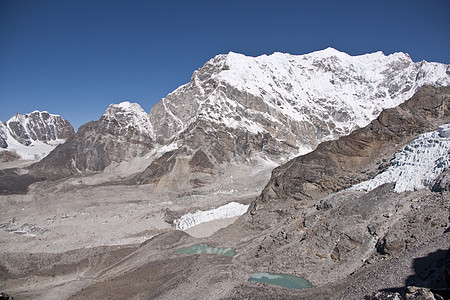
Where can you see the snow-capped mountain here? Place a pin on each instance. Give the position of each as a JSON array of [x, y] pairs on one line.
[[238, 109], [292, 101], [298, 99], [32, 136]]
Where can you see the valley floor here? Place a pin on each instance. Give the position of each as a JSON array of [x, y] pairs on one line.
[[97, 245], [58, 237]]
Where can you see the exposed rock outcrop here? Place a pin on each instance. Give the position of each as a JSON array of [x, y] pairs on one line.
[[442, 183]]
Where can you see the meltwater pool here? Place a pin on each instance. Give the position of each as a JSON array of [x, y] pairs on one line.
[[287, 281], [205, 248]]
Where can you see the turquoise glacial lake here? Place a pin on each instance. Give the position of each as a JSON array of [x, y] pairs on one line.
[[287, 281], [205, 248]]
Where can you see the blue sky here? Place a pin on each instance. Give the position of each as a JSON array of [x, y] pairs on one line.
[[75, 57]]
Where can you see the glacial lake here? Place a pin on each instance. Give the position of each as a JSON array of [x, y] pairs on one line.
[[287, 281], [205, 248]]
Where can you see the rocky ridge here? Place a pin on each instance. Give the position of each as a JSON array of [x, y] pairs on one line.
[[244, 110], [115, 137]]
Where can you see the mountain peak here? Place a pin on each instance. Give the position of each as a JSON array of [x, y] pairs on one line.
[[128, 115], [18, 117], [124, 106], [294, 88], [329, 51]]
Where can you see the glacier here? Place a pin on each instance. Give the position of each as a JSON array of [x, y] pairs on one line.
[[417, 165], [232, 209]]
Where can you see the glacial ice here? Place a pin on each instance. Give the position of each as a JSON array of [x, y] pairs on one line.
[[417, 165], [229, 210]]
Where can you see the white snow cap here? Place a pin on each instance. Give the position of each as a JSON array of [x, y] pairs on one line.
[[124, 106], [324, 82]]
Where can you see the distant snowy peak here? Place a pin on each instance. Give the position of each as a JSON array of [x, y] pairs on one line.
[[39, 126], [129, 115], [34, 135], [417, 165]]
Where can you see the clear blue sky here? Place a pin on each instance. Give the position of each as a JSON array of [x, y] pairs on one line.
[[75, 57]]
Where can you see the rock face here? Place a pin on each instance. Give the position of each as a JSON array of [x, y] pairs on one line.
[[33, 135], [442, 183], [337, 165], [3, 135], [239, 109]]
